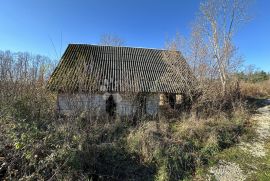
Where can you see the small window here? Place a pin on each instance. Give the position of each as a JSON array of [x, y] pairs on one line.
[[178, 99]]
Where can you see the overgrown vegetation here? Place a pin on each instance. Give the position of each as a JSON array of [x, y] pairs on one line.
[[255, 84], [38, 144], [259, 89]]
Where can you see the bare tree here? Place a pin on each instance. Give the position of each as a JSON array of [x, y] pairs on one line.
[[215, 28], [112, 40], [211, 53]]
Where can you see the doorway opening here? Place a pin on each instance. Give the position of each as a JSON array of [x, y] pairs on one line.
[[171, 100], [110, 106]]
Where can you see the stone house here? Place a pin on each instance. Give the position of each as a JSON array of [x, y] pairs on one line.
[[120, 81]]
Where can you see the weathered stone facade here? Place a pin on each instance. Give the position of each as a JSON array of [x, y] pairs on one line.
[[125, 104]]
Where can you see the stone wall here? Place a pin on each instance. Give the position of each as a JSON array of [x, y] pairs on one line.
[[126, 104], [152, 104], [68, 104]]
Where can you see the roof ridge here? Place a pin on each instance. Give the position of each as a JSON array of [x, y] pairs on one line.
[[97, 45]]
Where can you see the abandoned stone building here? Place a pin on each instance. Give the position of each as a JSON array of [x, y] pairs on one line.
[[119, 80]]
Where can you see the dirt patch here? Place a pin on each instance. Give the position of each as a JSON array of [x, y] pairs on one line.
[[256, 147], [226, 171]]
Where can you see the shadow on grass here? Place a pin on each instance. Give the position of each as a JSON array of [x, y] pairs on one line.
[[256, 103], [103, 155], [111, 162]]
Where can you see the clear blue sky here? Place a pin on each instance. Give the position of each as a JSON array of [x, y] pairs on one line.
[[31, 25]]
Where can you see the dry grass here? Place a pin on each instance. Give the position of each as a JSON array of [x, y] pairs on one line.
[[260, 89], [177, 148], [77, 148]]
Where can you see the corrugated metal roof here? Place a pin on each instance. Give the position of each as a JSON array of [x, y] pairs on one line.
[[120, 69]]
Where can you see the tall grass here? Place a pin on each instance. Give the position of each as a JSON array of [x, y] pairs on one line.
[[258, 89]]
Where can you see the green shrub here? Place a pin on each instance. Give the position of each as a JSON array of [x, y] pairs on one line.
[[210, 148], [228, 135]]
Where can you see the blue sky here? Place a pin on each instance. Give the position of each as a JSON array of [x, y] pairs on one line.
[[47, 26]]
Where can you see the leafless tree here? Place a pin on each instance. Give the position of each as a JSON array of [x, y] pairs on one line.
[[215, 28], [111, 40], [211, 53]]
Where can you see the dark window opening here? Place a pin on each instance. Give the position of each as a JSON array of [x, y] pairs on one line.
[[172, 100], [142, 104], [110, 106]]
